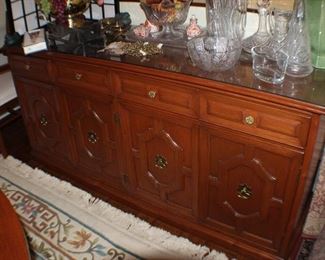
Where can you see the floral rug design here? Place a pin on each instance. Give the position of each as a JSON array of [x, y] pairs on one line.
[[54, 234], [64, 222]]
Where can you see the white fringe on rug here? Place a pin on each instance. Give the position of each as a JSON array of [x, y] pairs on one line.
[[103, 210]]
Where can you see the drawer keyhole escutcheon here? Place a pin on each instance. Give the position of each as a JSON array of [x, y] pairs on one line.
[[152, 94], [249, 120], [160, 161], [244, 191], [78, 76], [27, 67], [92, 137], [43, 120]]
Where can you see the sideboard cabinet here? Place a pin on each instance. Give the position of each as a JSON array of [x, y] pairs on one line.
[[230, 164]]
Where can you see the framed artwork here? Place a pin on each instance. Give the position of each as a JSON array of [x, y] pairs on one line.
[[25, 14]]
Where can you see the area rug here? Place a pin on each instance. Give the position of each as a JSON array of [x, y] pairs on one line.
[[64, 222]]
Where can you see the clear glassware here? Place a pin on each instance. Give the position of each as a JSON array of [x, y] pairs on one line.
[[279, 24], [263, 35], [297, 45], [315, 14], [268, 65], [167, 14], [220, 49], [236, 9]]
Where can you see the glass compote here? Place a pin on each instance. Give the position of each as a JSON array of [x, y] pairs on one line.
[[263, 34], [167, 14]]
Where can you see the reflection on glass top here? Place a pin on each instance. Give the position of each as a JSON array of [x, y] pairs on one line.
[[89, 40]]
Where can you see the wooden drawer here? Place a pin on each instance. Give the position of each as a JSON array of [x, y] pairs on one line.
[[251, 116], [79, 75], [156, 92], [30, 67]]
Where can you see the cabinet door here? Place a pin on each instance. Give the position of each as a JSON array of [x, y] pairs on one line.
[[94, 135], [164, 159], [42, 117], [247, 185]]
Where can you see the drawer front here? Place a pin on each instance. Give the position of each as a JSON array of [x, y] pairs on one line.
[[267, 121], [162, 94], [82, 76], [30, 67]]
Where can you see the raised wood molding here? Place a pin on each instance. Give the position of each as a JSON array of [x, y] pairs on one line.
[[176, 146]]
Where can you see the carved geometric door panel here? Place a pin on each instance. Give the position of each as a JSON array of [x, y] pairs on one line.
[[247, 185], [95, 138], [164, 155], [42, 118]]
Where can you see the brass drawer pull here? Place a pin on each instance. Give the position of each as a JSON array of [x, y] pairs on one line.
[[152, 94], [160, 161], [249, 120], [27, 67], [92, 137], [244, 191], [78, 76], [43, 120]]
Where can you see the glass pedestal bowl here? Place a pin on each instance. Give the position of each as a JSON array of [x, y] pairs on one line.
[[214, 54], [166, 14]]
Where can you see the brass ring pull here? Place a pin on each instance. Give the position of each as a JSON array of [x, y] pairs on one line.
[[249, 120], [160, 161], [27, 67], [43, 120], [78, 76], [244, 191], [152, 94], [92, 137]]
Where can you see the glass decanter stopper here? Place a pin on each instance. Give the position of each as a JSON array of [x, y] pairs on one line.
[[263, 34], [297, 45]]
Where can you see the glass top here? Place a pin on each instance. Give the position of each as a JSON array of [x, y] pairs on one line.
[[91, 38]]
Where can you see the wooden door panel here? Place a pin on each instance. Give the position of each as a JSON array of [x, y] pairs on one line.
[[163, 157], [247, 186], [43, 118], [95, 138]]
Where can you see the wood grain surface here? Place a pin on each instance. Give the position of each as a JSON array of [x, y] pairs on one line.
[[13, 244]]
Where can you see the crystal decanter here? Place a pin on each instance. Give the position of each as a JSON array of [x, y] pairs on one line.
[[263, 34]]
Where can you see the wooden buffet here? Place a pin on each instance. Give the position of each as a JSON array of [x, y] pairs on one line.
[[221, 156]]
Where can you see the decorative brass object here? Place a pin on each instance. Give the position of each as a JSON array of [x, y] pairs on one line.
[[160, 161], [152, 94], [78, 76], [27, 67], [249, 120], [92, 137], [244, 191], [141, 49], [73, 11], [43, 120]]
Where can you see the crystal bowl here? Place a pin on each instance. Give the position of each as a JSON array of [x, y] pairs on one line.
[[214, 54], [167, 14]]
